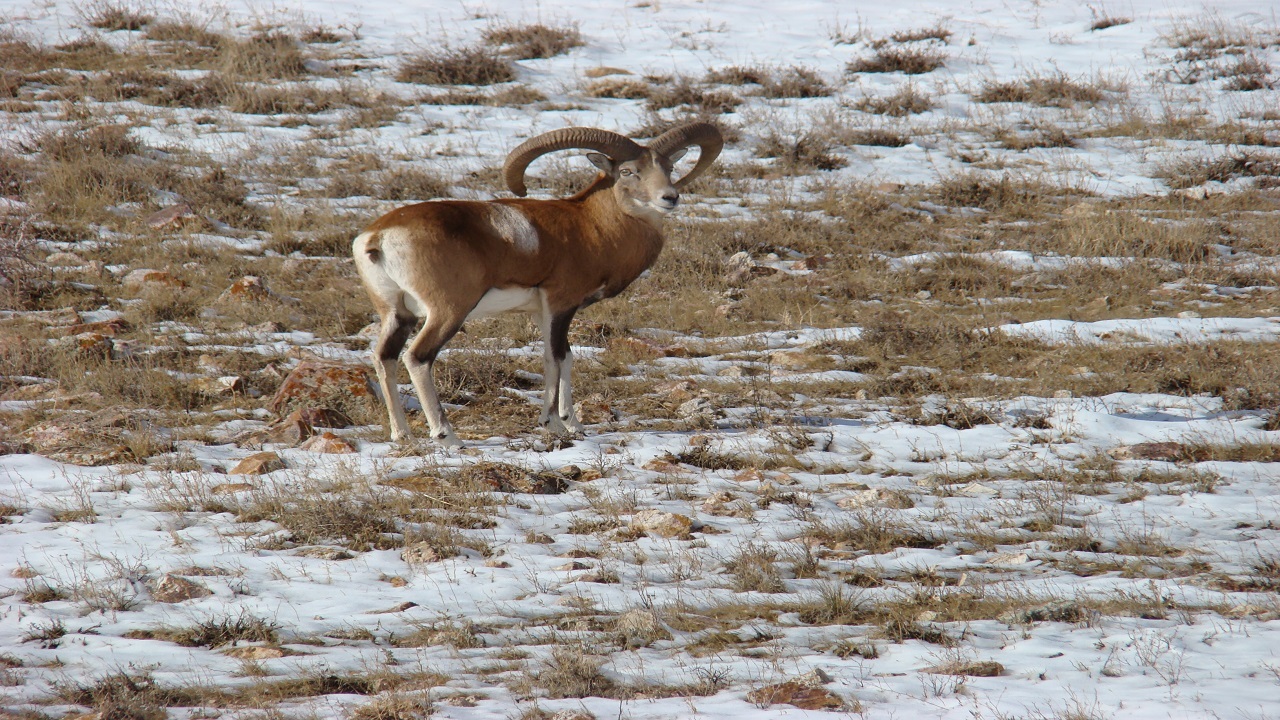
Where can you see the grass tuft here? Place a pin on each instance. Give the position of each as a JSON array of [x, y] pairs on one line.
[[457, 66], [532, 42]]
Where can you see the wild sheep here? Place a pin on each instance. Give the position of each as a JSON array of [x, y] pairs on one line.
[[448, 261]]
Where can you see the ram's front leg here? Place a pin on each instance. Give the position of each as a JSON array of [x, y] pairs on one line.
[[557, 397]]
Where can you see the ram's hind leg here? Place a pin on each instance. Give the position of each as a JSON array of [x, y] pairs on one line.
[[392, 336], [438, 328]]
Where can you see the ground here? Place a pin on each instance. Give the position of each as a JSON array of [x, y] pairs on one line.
[[952, 394]]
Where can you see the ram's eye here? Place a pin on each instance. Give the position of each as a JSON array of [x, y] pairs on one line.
[[626, 173]]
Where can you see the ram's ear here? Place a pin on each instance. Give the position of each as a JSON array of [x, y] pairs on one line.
[[675, 156], [602, 161]]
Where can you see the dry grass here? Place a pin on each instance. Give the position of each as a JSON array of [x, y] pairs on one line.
[[111, 15], [1224, 167], [789, 82], [907, 100], [1103, 19], [535, 41], [909, 60], [1056, 90], [457, 66], [683, 92]]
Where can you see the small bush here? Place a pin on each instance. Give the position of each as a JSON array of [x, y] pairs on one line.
[[754, 569], [1056, 90], [801, 154], [908, 60], [1050, 136], [457, 66], [265, 56], [1190, 172], [794, 82], [532, 42], [908, 100], [1247, 74], [684, 92], [936, 32], [110, 15], [1103, 20], [571, 673], [222, 630]]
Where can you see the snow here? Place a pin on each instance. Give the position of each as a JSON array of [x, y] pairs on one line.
[[1201, 652]]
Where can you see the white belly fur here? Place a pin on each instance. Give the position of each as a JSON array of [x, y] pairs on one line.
[[498, 301]]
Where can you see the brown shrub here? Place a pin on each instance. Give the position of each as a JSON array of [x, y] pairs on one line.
[[908, 100], [909, 60], [111, 15], [1058, 90], [531, 42], [457, 66]]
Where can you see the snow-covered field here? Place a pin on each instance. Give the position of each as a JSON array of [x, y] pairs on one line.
[[750, 506]]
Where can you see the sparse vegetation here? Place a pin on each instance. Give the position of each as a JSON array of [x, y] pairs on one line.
[[532, 42], [457, 66], [825, 424]]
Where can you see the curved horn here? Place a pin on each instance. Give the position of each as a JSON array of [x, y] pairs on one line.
[[703, 134], [617, 147]]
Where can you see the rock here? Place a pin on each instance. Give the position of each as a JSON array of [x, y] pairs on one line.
[[406, 605], [667, 465], [64, 259], [144, 278], [635, 347], [749, 475], [640, 628], [230, 488], [110, 328], [323, 417], [792, 692], [314, 382], [717, 503], [603, 71], [977, 489], [255, 652], [323, 552], [1064, 611], [92, 344], [258, 464], [877, 497], [52, 434], [741, 267], [793, 360], [48, 318], [215, 386], [292, 430], [572, 715], [977, 668], [734, 371], [1007, 558], [1166, 451], [174, 216], [814, 678], [662, 524], [94, 458], [9, 447], [249, 288], [327, 442], [594, 410], [420, 554], [697, 407], [175, 589], [508, 478]]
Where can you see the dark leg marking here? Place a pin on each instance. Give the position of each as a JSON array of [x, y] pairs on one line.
[[391, 343], [560, 334]]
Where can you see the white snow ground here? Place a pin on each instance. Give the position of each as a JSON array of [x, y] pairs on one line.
[[1199, 652]]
